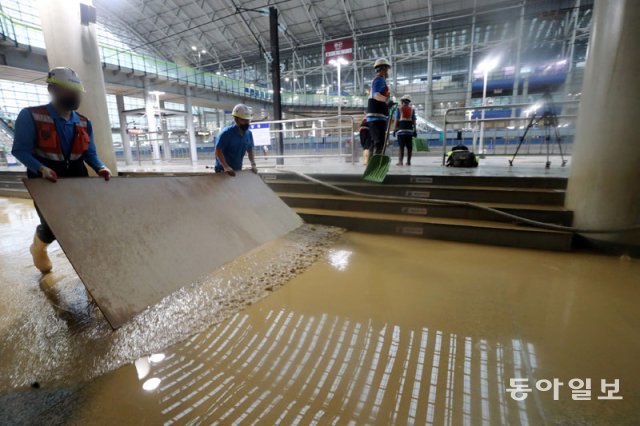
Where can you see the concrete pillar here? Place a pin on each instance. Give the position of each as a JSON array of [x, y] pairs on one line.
[[152, 123], [517, 66], [604, 185], [166, 143], [428, 94], [126, 141], [525, 90], [71, 44], [467, 101], [189, 126]]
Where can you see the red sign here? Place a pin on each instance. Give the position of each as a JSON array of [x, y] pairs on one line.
[[338, 49]]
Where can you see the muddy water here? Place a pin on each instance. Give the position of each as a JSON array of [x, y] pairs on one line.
[[53, 334], [387, 330]]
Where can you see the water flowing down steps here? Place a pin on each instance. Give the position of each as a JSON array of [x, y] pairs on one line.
[[537, 198]]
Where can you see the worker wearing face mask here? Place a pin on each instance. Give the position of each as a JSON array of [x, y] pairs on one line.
[[234, 141], [55, 141]]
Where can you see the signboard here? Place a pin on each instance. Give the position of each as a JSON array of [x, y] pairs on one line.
[[338, 49], [261, 135]]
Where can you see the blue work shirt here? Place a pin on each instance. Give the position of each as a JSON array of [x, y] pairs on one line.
[[378, 85], [233, 146], [25, 138]]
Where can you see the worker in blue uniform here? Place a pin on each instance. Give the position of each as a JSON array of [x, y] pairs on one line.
[[378, 105], [234, 141], [55, 141]]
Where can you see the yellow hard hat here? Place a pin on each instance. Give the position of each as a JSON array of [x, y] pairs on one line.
[[242, 111], [380, 62], [65, 77]]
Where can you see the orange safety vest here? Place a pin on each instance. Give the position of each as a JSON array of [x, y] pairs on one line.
[[48, 142], [405, 119]]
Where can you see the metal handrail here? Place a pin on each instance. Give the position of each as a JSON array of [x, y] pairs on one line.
[[489, 120], [339, 127]]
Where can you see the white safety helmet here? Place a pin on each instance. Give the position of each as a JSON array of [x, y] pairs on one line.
[[381, 62], [406, 98], [242, 111], [65, 77]]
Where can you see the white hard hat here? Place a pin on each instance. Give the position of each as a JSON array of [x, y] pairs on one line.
[[380, 62], [65, 77], [242, 111], [406, 98]]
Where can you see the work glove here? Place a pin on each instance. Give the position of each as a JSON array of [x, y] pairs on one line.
[[105, 173], [415, 134], [254, 168], [48, 174], [394, 133], [230, 171], [390, 102]]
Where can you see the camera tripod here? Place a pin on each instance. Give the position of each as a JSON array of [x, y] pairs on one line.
[[549, 121]]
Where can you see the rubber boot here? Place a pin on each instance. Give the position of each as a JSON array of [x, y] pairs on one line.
[[40, 257], [365, 157]]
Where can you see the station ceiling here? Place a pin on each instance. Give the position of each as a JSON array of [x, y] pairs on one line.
[[232, 31]]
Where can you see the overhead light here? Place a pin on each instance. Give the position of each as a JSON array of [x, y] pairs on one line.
[[194, 48], [488, 64], [203, 51], [338, 61], [156, 93]]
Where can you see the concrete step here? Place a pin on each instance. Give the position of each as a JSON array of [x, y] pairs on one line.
[[463, 230], [11, 184], [462, 178], [14, 193], [543, 213], [483, 194], [14, 184]]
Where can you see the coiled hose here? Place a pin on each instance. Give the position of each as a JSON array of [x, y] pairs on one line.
[[430, 201]]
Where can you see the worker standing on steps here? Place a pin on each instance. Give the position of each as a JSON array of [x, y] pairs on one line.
[[234, 141], [378, 104], [405, 128], [365, 140], [54, 141]]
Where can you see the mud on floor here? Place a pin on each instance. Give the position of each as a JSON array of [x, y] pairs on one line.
[[53, 335]]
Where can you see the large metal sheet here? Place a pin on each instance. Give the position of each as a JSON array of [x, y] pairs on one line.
[[135, 240]]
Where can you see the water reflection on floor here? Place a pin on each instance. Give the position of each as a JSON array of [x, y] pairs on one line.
[[388, 330]]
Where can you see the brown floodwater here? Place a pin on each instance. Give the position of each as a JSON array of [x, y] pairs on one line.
[[378, 330]]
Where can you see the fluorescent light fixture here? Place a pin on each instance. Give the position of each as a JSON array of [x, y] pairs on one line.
[[338, 61], [194, 48], [488, 64]]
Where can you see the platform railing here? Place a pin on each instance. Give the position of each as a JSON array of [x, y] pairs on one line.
[[524, 120], [307, 138]]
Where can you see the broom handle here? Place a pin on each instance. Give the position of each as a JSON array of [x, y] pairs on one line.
[[386, 135]]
